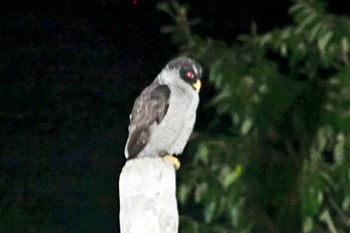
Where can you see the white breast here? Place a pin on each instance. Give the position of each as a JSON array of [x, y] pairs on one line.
[[172, 134]]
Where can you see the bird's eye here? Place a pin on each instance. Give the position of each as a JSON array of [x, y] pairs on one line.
[[190, 74]]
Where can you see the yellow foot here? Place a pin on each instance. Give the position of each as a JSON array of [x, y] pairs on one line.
[[174, 160]]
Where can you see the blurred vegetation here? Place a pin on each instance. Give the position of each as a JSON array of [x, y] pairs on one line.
[[273, 155]]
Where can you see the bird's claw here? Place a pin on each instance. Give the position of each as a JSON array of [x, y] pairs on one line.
[[174, 160]]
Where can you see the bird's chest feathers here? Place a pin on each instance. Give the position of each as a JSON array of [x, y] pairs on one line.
[[173, 131], [182, 108], [182, 103]]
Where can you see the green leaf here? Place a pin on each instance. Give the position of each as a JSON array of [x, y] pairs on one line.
[[229, 179], [234, 214], [312, 202], [209, 210], [284, 50], [183, 193], [345, 45], [346, 203], [246, 126], [314, 31], [308, 20], [200, 192], [203, 153], [265, 39], [215, 74], [323, 41], [340, 149], [308, 225], [327, 219]]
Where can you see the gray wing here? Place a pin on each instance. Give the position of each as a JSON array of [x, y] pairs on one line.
[[151, 106]]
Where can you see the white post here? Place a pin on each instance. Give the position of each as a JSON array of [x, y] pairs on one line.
[[147, 196]]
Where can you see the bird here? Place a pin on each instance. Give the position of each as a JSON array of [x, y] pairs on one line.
[[164, 114]]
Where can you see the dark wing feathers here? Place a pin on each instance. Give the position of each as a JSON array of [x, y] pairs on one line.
[[151, 106]]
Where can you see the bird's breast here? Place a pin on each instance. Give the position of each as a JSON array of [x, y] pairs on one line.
[[182, 108], [177, 123]]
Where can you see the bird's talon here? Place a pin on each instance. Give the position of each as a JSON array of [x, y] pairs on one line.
[[174, 160]]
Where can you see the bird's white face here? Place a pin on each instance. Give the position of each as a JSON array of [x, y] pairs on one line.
[[192, 75], [184, 73], [172, 78]]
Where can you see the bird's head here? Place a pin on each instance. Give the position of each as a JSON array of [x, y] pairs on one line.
[[187, 69]]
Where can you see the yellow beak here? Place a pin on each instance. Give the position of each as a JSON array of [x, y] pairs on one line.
[[197, 85]]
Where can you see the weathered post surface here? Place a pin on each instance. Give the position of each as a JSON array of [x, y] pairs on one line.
[[147, 191]]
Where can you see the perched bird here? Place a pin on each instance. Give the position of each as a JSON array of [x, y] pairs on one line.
[[163, 116]]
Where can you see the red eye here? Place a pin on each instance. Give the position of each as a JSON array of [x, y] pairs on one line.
[[190, 74]]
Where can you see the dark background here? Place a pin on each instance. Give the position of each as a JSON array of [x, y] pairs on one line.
[[70, 71]]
